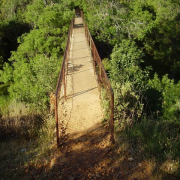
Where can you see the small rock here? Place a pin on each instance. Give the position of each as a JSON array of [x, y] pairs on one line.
[[22, 150], [70, 178], [130, 159]]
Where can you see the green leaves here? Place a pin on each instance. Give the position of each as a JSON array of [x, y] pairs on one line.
[[7, 74], [128, 80], [36, 63], [153, 24], [170, 97]]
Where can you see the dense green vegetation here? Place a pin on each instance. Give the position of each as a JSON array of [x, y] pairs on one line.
[[141, 39], [143, 43], [33, 36]]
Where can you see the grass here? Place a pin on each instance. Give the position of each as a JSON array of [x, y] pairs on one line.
[[155, 141], [18, 156], [26, 140]]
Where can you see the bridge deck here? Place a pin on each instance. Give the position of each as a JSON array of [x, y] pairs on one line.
[[82, 112]]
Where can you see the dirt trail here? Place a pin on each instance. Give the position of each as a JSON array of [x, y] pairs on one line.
[[85, 151]]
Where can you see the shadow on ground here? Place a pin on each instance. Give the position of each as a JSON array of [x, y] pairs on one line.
[[91, 156], [85, 155]]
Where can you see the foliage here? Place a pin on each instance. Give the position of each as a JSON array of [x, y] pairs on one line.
[[170, 97], [10, 30], [154, 25], [11, 8], [128, 80], [35, 64], [107, 65], [156, 139]]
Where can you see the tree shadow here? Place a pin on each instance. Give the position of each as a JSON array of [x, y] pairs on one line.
[[89, 155], [83, 71], [75, 68], [10, 31], [148, 138], [81, 92], [78, 26]]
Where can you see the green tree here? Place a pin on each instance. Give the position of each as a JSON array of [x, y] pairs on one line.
[[36, 63], [170, 97], [128, 80]]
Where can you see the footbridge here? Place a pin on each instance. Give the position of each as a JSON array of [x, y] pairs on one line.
[[82, 79]]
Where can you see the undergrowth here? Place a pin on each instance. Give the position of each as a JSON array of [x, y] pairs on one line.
[[26, 140], [157, 140], [146, 111]]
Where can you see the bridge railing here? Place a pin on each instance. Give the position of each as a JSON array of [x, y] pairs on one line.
[[101, 74], [62, 77]]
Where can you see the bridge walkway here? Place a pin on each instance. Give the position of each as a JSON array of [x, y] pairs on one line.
[[82, 112]]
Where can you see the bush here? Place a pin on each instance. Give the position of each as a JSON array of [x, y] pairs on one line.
[[128, 80], [170, 97], [34, 67]]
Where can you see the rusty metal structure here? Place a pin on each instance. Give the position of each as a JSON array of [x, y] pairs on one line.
[[99, 70], [62, 76]]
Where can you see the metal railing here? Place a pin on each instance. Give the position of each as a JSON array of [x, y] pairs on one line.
[[98, 70], [101, 75], [62, 77]]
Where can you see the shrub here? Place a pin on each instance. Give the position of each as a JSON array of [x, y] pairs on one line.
[[128, 80], [170, 97]]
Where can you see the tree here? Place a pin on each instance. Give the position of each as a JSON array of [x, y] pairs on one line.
[[128, 80], [36, 63]]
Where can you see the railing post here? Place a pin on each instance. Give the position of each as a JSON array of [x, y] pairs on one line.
[[67, 65], [112, 119], [94, 59], [87, 37], [56, 117], [90, 43], [64, 83], [89, 40], [100, 71], [100, 80]]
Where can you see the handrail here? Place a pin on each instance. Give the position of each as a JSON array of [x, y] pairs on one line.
[[101, 74], [62, 76]]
